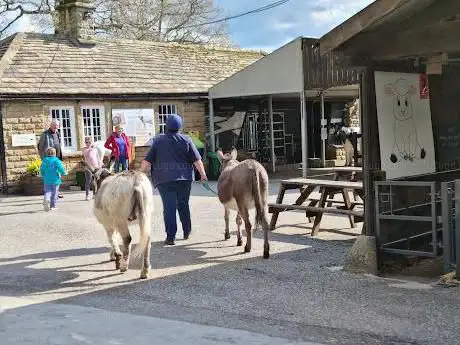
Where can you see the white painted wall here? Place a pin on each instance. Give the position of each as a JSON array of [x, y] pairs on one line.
[[277, 73]]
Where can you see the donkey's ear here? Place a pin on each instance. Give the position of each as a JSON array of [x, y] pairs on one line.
[[86, 167], [389, 89], [220, 154], [105, 173], [234, 153], [411, 90]]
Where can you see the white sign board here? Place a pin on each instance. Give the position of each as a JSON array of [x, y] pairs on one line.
[[404, 120], [137, 123], [23, 140]]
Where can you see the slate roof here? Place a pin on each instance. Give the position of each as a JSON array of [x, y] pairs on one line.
[[38, 64]]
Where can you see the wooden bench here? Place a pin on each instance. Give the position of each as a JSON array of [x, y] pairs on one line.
[[316, 207]]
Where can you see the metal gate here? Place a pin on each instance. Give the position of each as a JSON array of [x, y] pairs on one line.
[[249, 133], [450, 193], [408, 218]]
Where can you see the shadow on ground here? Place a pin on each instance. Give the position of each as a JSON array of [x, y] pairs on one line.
[[294, 294]]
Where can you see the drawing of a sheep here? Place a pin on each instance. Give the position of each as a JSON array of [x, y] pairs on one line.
[[406, 145]]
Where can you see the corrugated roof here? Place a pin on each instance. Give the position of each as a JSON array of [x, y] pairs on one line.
[[48, 64]]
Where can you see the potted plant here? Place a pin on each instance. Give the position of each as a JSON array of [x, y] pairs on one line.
[[32, 182]]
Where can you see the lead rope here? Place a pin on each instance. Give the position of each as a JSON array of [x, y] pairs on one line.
[[206, 186]]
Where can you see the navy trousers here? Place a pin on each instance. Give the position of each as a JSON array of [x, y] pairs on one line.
[[175, 196]]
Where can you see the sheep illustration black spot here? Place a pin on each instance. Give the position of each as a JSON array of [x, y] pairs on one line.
[[422, 153]]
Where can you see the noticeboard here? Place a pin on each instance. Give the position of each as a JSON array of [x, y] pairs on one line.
[[26, 139], [138, 124]]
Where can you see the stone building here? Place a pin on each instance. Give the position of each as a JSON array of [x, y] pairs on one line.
[[82, 80]]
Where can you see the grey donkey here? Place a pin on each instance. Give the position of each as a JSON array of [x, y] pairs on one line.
[[243, 186]]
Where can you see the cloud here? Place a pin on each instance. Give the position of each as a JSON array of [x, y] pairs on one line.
[[280, 25], [269, 29], [327, 12], [272, 47]]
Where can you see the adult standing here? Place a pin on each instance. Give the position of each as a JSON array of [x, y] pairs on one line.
[[118, 143], [50, 138], [171, 158]]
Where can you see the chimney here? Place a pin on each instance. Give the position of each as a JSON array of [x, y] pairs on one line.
[[74, 19]]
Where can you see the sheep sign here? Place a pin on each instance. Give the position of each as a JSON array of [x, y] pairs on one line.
[[405, 130]]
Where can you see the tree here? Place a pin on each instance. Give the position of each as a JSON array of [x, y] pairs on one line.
[[165, 20], [11, 11], [181, 21]]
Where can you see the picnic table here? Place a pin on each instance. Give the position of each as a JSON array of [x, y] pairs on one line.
[[341, 173], [353, 174], [316, 207]]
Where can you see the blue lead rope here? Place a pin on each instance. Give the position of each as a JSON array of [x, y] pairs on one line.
[[206, 186]]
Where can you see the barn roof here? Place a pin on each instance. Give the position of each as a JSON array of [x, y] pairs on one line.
[[41, 64], [389, 29]]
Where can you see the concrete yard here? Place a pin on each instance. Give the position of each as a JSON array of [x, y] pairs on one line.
[[57, 286]]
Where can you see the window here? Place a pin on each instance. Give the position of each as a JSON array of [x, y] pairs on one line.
[[66, 118], [163, 111], [94, 123]]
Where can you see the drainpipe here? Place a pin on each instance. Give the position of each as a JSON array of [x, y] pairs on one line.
[[2, 153]]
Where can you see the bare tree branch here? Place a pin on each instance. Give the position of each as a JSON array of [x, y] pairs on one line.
[[11, 11], [155, 20]]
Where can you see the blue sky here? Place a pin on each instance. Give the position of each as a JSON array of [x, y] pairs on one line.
[[271, 29]]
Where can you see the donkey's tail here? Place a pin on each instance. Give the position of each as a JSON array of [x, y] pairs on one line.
[[259, 203], [141, 211]]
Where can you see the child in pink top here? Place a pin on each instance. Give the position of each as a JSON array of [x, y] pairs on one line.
[[91, 156]]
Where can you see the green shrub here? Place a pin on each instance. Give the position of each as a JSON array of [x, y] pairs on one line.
[[33, 168]]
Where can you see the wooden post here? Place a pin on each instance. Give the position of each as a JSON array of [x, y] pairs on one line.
[[272, 135], [323, 141], [370, 147], [304, 136], [132, 148], [211, 125]]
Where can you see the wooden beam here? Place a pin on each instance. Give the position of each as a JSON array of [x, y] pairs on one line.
[[357, 23], [367, 43], [424, 41]]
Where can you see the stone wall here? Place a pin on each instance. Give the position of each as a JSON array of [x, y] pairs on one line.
[[140, 153], [26, 117], [17, 119]]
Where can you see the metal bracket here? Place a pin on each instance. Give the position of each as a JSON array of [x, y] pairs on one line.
[[387, 199]]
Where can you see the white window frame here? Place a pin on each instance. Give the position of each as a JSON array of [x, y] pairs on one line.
[[102, 123], [163, 111], [73, 131]]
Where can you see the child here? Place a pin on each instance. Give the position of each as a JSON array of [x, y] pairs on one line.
[[51, 171], [93, 160]]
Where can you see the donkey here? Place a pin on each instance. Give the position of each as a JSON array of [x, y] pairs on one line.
[[120, 199], [243, 186]]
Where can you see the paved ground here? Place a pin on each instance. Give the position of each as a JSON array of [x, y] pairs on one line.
[[56, 286]]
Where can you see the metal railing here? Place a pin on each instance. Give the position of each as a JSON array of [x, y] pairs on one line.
[[407, 218], [450, 194]]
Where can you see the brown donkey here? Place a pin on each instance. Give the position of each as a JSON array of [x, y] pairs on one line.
[[243, 186]]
